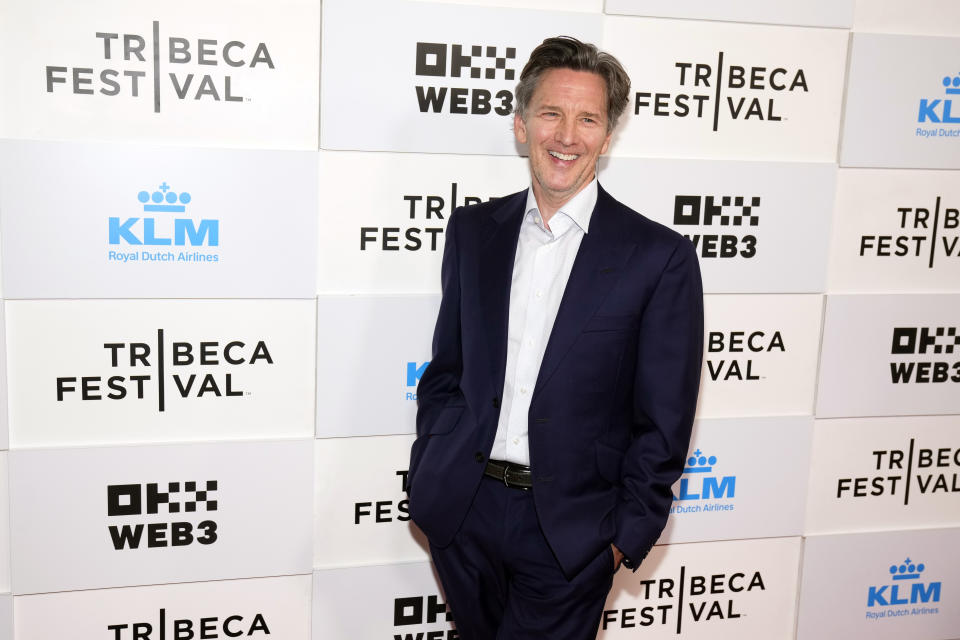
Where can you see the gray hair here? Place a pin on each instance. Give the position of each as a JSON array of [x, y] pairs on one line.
[[566, 52]]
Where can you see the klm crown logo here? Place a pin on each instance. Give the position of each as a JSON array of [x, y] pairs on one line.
[[939, 109], [156, 231], [710, 487], [903, 592]]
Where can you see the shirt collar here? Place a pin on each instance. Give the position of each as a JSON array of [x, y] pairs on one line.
[[579, 208]]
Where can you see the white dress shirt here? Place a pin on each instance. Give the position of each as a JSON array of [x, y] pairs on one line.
[[540, 272]]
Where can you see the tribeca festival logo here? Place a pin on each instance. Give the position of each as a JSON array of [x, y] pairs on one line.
[[921, 233], [139, 365], [702, 93], [737, 222], [898, 472], [700, 490], [382, 511], [138, 500], [906, 588], [165, 230], [689, 597], [939, 111], [476, 62], [737, 342], [169, 627], [414, 372], [428, 213], [925, 341], [423, 610], [142, 66]]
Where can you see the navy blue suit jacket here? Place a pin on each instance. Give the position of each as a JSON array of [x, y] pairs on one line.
[[612, 409]]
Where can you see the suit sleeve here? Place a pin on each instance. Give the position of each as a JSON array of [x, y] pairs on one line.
[[669, 359], [439, 385]]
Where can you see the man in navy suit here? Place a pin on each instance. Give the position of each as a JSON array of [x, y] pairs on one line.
[[556, 411]]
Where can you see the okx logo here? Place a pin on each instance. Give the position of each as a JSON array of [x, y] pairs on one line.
[[414, 372], [422, 611], [183, 369], [912, 342], [163, 222], [701, 489], [736, 215], [146, 66], [905, 589], [133, 501], [169, 627], [493, 65], [940, 111], [714, 92]]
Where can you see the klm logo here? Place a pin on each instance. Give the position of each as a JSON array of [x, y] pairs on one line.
[[696, 484], [939, 109], [414, 373], [906, 588], [164, 230]]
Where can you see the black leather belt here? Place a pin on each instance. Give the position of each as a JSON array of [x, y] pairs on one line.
[[516, 476]]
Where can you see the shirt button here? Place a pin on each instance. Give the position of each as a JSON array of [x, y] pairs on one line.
[[539, 294], [516, 441], [523, 390]]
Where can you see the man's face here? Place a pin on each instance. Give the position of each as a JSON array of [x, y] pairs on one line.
[[566, 128]]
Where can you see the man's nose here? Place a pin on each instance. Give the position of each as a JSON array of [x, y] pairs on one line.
[[566, 132]]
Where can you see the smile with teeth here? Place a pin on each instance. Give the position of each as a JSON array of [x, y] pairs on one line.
[[564, 156]]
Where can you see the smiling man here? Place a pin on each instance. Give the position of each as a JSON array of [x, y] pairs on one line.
[[556, 411]]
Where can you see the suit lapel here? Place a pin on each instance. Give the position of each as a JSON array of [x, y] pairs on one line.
[[597, 267], [498, 249]]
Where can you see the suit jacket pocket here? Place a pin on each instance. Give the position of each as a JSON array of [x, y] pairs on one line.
[[609, 461], [612, 323]]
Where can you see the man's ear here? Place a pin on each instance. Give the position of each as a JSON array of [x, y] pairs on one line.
[[519, 129], [606, 143]]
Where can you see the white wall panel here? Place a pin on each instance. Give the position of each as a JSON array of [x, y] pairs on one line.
[[888, 355], [854, 587], [814, 13], [397, 601], [224, 73], [735, 478], [266, 607], [755, 228], [896, 231], [760, 355], [901, 107], [445, 74], [371, 352], [120, 371], [88, 518], [388, 212], [884, 473], [360, 515], [728, 91], [129, 221], [717, 590]]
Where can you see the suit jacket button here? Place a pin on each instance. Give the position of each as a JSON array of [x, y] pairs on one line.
[[478, 456], [496, 403]]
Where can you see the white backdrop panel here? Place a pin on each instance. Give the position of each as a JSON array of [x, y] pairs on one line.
[[391, 210], [445, 74], [360, 514], [849, 591], [398, 601], [733, 91], [756, 230], [902, 106], [760, 355], [371, 352], [99, 371], [884, 473], [274, 607], [252, 521], [716, 591], [222, 73], [4, 411], [6, 616], [733, 490], [228, 223], [591, 6], [814, 13], [928, 17], [4, 526], [888, 355], [896, 231]]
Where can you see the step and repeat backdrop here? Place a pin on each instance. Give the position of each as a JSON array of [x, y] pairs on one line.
[[221, 227]]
